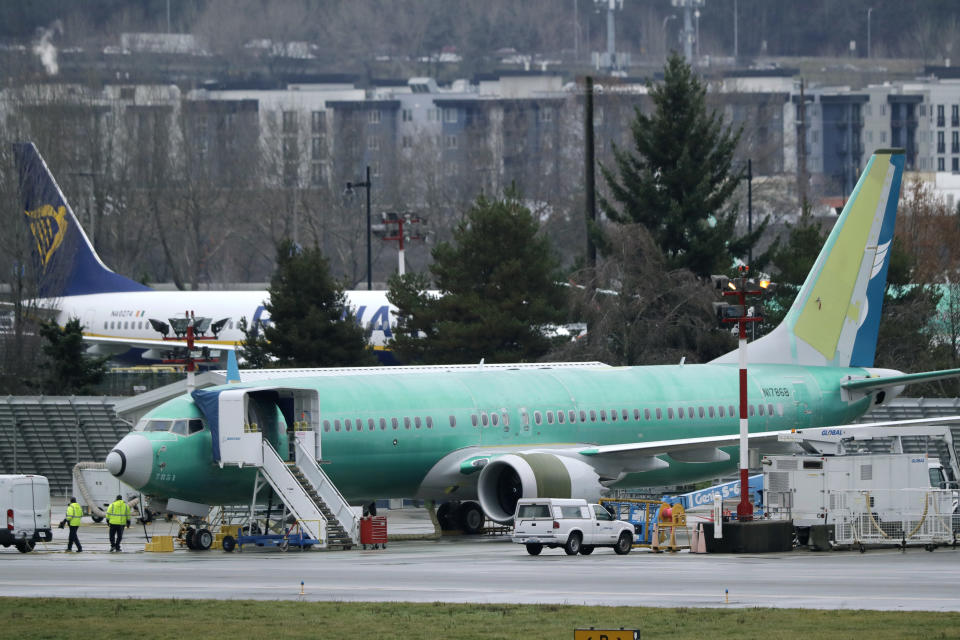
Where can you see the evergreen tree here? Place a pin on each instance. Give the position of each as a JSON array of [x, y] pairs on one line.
[[254, 349], [498, 286], [310, 322], [679, 177], [71, 371]]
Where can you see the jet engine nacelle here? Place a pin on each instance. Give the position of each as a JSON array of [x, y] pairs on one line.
[[505, 480]]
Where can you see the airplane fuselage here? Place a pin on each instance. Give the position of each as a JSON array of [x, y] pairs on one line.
[[380, 436], [121, 320]]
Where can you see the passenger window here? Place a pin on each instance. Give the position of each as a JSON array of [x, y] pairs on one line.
[[733, 411], [104, 325], [506, 419], [326, 425], [525, 418], [770, 409], [760, 409], [180, 427], [537, 417], [669, 413], [572, 415], [779, 409], [583, 416], [195, 425], [383, 424], [680, 413], [690, 412], [700, 411], [474, 419], [613, 415], [347, 424], [721, 410], [626, 414], [750, 409], [560, 417], [371, 425], [453, 421], [659, 414], [484, 420], [636, 415], [646, 414], [336, 425], [593, 416], [711, 411], [416, 422], [549, 417], [603, 415], [359, 424], [494, 419], [406, 422], [429, 422], [395, 423]]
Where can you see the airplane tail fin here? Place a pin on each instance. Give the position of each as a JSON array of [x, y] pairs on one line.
[[65, 259], [835, 318]]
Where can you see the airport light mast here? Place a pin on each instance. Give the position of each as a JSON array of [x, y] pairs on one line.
[[742, 287], [191, 329], [391, 219]]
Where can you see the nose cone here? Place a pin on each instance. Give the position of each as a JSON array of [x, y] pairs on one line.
[[132, 460]]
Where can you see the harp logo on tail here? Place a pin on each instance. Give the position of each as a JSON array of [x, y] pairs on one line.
[[48, 226]]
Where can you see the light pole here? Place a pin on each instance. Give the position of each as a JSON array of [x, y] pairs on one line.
[[869, 12], [666, 47], [696, 14], [366, 185]]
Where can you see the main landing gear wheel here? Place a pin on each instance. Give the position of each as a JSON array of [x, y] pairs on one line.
[[624, 544], [471, 517], [534, 548], [229, 543], [573, 544], [202, 540], [447, 516], [188, 538]]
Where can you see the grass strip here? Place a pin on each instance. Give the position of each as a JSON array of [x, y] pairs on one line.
[[28, 618]]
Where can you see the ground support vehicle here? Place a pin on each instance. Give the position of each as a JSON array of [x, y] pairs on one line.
[[573, 524], [25, 505], [861, 499]]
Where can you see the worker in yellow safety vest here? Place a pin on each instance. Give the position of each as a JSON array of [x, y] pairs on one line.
[[74, 513], [118, 515]]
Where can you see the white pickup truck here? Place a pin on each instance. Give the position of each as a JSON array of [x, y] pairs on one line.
[[573, 524]]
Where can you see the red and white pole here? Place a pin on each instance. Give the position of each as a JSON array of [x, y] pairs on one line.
[[744, 508]]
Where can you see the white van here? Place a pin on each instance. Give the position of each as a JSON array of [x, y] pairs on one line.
[[25, 505]]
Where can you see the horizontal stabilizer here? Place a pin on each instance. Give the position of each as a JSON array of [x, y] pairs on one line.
[[885, 382]]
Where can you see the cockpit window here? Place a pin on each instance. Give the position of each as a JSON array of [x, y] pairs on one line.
[[183, 427], [159, 425]]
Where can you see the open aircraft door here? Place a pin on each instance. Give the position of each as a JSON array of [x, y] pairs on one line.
[[240, 419]]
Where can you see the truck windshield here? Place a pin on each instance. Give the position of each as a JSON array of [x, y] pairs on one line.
[[533, 511], [936, 478]]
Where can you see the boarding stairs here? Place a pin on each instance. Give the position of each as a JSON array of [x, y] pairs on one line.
[[321, 511]]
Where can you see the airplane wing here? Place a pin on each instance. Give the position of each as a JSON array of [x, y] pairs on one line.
[[148, 343]]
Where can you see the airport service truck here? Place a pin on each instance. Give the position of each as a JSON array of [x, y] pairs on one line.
[[570, 523], [816, 490], [25, 504]]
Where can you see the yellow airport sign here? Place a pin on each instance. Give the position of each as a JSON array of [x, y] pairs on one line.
[[606, 634]]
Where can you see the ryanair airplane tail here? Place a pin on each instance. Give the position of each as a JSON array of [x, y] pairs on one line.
[[835, 318], [66, 262]]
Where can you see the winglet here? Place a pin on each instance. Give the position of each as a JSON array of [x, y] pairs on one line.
[[233, 371]]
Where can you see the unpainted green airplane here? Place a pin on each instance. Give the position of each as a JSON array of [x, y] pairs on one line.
[[486, 436]]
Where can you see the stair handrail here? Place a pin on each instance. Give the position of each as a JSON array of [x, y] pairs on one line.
[[277, 461], [329, 493]]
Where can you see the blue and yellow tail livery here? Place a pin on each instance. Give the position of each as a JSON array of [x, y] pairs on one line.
[[66, 262]]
